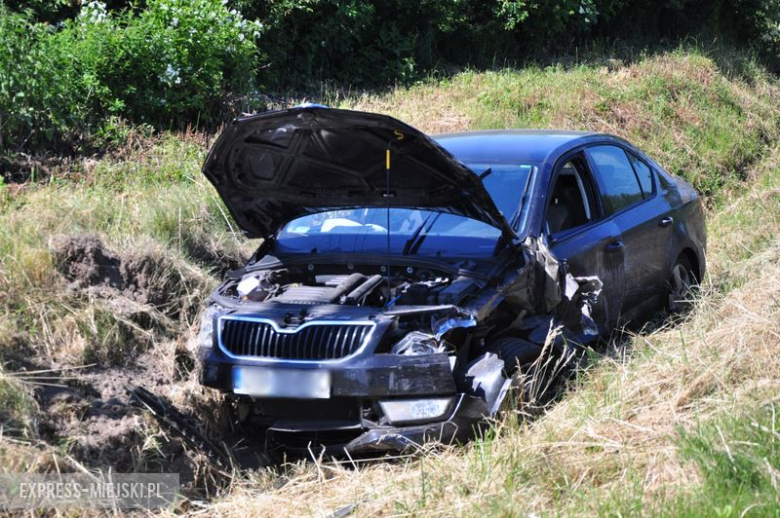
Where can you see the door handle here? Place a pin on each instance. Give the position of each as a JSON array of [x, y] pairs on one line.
[[614, 246], [665, 222]]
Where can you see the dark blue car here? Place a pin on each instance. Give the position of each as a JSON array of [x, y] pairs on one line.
[[405, 283]]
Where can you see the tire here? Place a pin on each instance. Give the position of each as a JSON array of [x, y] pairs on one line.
[[515, 352], [682, 285]]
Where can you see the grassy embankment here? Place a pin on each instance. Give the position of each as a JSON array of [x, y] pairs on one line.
[[680, 421]]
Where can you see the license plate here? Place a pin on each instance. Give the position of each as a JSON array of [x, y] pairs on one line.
[[281, 383]]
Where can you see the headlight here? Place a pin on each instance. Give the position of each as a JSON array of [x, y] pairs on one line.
[[205, 337], [406, 411], [417, 343]]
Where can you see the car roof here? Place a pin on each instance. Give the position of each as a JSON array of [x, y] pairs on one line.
[[513, 146]]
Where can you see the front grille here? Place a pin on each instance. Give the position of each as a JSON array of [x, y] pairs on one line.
[[310, 342]]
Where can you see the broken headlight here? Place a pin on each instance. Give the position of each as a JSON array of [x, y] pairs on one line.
[[205, 337], [417, 343]]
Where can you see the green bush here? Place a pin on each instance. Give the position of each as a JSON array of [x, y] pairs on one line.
[[44, 10], [758, 21], [368, 43], [174, 63], [31, 92]]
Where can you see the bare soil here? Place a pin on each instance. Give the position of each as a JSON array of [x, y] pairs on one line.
[[87, 409]]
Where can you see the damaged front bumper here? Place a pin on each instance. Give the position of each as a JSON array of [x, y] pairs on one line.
[[363, 409], [462, 423], [371, 376]]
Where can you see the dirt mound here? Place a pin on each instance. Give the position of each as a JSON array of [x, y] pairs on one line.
[[130, 332], [141, 305], [215, 254], [148, 276], [84, 261]]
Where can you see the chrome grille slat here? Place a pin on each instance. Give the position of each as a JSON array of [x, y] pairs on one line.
[[296, 344], [351, 334], [265, 351], [304, 337], [325, 340], [275, 345], [312, 342], [307, 347], [251, 341], [354, 332], [241, 341], [317, 342], [339, 342], [247, 334], [346, 339]]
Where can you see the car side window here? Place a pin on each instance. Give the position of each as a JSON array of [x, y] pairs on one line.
[[571, 203], [618, 183], [644, 174]]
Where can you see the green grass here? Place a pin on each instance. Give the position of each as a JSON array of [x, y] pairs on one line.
[[633, 435], [700, 121], [737, 455], [17, 408]]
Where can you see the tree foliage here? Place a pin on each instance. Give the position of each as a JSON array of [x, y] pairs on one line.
[[373, 42], [68, 67], [174, 62]]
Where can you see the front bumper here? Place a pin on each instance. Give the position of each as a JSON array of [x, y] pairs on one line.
[[350, 420], [374, 375]]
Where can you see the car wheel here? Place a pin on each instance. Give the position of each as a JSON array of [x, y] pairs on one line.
[[681, 285]]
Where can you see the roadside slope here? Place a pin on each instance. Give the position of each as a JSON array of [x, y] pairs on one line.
[[705, 117]]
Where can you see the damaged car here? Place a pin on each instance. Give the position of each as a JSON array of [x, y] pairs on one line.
[[404, 282]]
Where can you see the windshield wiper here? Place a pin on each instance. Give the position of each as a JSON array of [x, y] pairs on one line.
[[411, 240], [421, 234]]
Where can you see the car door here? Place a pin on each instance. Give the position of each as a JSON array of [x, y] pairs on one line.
[[580, 236], [628, 192]]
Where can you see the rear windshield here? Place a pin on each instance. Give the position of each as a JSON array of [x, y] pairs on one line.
[[412, 231]]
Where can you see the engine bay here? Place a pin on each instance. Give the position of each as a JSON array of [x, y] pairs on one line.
[[350, 286]]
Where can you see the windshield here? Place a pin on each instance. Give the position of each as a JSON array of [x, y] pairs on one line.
[[412, 231]]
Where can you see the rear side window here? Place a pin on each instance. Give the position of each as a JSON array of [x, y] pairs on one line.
[[617, 181], [644, 174]]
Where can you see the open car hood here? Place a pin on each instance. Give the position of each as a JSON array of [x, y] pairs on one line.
[[274, 167]]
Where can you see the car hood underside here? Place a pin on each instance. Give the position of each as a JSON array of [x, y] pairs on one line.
[[278, 166]]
